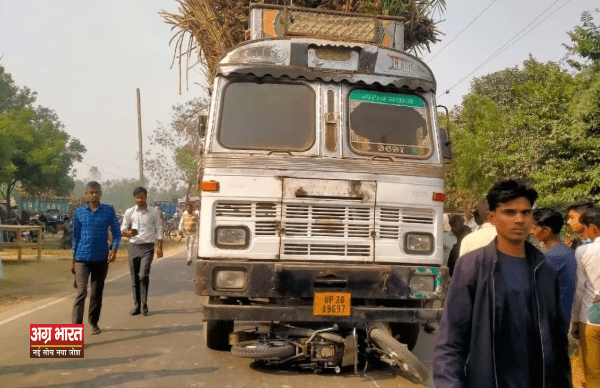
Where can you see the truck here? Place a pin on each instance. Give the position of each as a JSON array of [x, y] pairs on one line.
[[322, 194]]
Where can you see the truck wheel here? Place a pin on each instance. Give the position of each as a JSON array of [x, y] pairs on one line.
[[406, 362], [216, 334], [272, 350], [408, 333]]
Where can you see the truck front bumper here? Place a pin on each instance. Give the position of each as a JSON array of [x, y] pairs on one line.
[[359, 314], [286, 291]]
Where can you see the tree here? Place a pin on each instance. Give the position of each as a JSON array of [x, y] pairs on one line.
[[178, 159], [11, 95], [586, 42], [37, 154], [473, 170], [95, 174], [538, 122]]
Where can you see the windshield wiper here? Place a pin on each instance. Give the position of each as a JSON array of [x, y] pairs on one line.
[[280, 152]]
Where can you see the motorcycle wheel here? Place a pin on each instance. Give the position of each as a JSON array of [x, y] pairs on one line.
[[406, 362], [257, 350], [216, 334]]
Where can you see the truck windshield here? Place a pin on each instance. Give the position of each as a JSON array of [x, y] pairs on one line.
[[388, 124], [267, 116]]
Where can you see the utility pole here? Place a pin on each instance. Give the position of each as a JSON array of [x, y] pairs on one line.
[[139, 114]]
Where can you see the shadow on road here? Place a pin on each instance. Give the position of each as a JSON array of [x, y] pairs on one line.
[[144, 333], [178, 311], [75, 364], [120, 378], [376, 372]]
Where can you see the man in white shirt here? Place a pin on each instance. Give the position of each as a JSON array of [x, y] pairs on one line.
[[483, 235], [586, 295], [143, 225]]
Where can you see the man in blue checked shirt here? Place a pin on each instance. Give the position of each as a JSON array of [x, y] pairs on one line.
[[91, 252]]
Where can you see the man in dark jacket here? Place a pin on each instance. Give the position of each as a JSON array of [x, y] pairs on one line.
[[503, 325]]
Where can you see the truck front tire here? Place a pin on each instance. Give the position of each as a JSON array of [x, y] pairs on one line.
[[407, 333], [216, 334]]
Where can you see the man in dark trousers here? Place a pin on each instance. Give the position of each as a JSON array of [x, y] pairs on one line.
[[91, 252], [460, 230], [143, 225], [503, 324]]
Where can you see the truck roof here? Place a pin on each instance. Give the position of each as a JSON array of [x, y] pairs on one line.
[[329, 61]]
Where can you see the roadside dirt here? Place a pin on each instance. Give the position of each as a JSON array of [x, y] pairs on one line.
[[31, 280]]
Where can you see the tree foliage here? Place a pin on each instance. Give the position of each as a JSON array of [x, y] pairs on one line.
[[537, 122], [119, 193], [36, 153], [177, 160], [586, 42]]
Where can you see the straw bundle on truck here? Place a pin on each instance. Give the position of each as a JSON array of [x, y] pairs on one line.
[[205, 30]]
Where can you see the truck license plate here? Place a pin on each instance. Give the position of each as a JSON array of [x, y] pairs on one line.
[[332, 304]]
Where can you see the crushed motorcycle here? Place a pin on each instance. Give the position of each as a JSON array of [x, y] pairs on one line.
[[330, 348]]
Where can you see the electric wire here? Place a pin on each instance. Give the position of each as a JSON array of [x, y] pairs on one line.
[[114, 165], [532, 28], [494, 54], [463, 30], [106, 172]]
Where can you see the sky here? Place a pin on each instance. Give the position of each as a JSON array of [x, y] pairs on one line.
[[86, 58]]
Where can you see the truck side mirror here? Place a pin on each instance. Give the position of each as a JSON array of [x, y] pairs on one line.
[[202, 125], [446, 143]]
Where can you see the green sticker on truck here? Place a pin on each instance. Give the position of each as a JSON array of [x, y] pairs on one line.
[[387, 98]]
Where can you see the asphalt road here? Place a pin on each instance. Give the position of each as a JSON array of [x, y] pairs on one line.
[[164, 349]]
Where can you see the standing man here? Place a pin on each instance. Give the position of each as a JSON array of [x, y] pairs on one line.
[[461, 231], [91, 252], [586, 326], [503, 325], [143, 225], [484, 233], [188, 226], [547, 224], [574, 213]]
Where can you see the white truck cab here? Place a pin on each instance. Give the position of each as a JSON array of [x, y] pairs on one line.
[[322, 190]]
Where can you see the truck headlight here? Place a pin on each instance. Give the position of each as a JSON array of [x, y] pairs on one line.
[[230, 279], [232, 237], [422, 283], [419, 243]]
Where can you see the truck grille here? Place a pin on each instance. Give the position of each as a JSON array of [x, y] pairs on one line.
[[324, 229], [339, 230], [390, 220], [327, 249], [300, 220], [264, 215]]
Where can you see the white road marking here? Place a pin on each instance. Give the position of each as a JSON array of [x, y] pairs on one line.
[[70, 297], [372, 379]]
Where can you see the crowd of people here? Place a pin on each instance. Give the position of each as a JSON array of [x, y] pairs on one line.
[[142, 224], [517, 291]]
